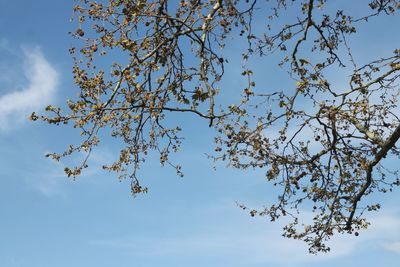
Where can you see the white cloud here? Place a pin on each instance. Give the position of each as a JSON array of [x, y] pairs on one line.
[[51, 181], [394, 247], [251, 241], [51, 186], [16, 105]]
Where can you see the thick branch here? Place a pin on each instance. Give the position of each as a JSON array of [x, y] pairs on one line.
[[389, 144]]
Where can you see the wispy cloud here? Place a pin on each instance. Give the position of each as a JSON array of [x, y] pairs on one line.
[[51, 181], [42, 80], [251, 241], [393, 246]]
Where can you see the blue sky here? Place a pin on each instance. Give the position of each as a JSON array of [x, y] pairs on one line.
[[48, 219]]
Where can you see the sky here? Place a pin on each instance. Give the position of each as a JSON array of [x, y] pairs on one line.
[[47, 219]]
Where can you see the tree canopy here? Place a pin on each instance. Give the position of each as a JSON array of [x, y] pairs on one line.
[[324, 146]]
